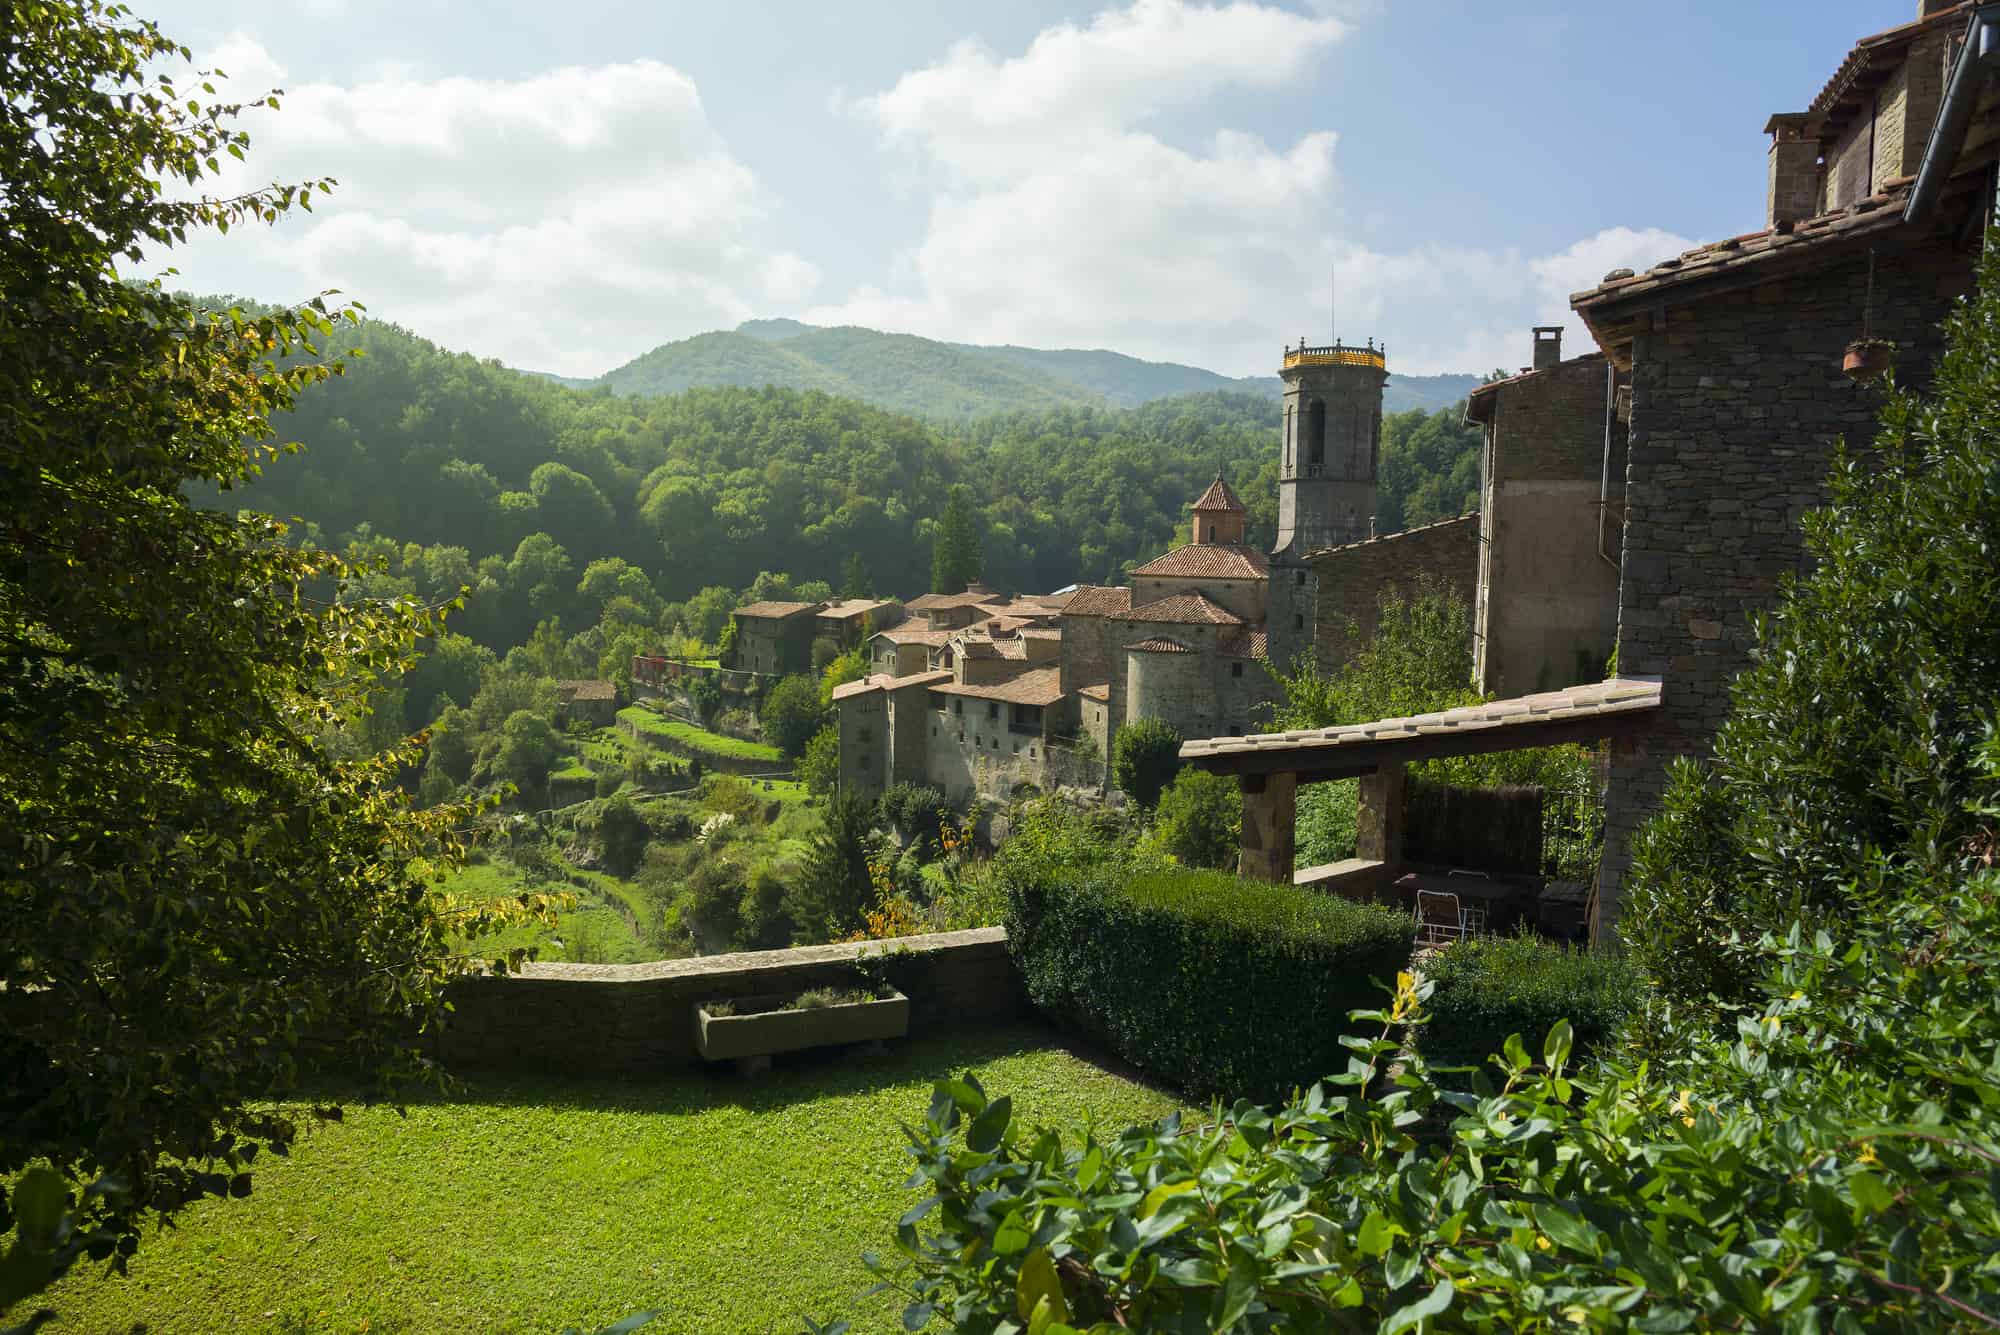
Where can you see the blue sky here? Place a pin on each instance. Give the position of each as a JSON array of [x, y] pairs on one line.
[[566, 186]]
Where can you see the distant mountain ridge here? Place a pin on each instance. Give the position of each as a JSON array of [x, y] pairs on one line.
[[928, 378]]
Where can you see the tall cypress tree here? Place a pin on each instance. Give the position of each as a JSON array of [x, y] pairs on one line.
[[854, 579], [955, 554]]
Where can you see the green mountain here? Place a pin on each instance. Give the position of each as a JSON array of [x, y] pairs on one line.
[[953, 381]]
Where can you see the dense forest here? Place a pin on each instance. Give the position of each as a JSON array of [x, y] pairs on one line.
[[950, 381], [553, 502]]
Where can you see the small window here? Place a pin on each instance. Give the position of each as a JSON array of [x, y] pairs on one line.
[[1235, 669], [1017, 748], [1298, 621], [1236, 730], [1302, 579], [1031, 753], [867, 761]]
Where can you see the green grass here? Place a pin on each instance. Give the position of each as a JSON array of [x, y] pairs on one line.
[[528, 1205], [595, 923], [650, 724]]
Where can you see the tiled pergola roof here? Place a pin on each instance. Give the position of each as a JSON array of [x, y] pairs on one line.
[[1581, 713]]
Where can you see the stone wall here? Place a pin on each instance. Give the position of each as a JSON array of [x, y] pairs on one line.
[[865, 735], [631, 1019], [1547, 605], [971, 752], [1089, 652], [1736, 404], [1350, 579]]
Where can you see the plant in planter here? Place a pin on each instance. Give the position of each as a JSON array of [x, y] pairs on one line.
[[1868, 358], [750, 1030]]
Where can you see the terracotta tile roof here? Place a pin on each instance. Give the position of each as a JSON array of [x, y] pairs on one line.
[[1250, 642], [1036, 686], [937, 602], [1186, 609], [1055, 602], [1097, 690], [882, 681], [848, 609], [1041, 632], [1219, 497], [1864, 217], [587, 690], [1158, 645], [914, 634], [1095, 600], [1209, 561], [1469, 517], [1604, 699], [777, 611], [1878, 56]]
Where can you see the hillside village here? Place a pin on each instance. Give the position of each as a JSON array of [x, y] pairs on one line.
[[1412, 898], [1639, 501]]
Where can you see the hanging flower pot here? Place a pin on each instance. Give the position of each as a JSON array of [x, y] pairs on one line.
[[1868, 358]]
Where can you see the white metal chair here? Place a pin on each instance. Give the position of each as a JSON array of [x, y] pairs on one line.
[[1440, 918]]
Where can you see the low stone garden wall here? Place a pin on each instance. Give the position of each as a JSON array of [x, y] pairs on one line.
[[626, 1019]]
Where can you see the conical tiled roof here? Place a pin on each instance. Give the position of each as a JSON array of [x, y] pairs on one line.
[[1219, 497]]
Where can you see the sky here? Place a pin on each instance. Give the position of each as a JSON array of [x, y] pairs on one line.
[[564, 187]]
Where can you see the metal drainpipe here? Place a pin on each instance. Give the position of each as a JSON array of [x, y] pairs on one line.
[[1604, 482], [1961, 96]]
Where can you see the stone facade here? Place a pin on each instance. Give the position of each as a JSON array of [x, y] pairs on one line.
[[775, 638], [630, 1019], [1546, 608], [1737, 404], [1349, 580]]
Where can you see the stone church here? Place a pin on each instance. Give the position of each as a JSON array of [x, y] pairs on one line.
[[982, 694]]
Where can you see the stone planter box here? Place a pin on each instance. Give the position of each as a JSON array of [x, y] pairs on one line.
[[755, 1036]]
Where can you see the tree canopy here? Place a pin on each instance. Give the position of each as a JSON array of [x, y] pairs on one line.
[[200, 896]]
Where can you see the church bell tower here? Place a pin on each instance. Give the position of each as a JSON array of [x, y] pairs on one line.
[[1330, 447]]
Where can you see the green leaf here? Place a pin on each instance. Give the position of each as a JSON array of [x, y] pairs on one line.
[[1567, 1229], [40, 1200], [1555, 1049], [1163, 1193], [1376, 1234], [1420, 1311], [989, 1128], [1870, 1193], [1039, 1289]]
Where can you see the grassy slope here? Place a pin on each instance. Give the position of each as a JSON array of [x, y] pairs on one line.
[[714, 743], [593, 918], [526, 1206]]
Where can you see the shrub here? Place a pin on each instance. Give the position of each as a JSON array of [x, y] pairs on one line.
[[623, 832], [911, 810], [1145, 758], [1201, 815], [1486, 991], [819, 768], [1854, 735], [1216, 984], [791, 714]]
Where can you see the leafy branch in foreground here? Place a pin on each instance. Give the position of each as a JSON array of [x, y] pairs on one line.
[[201, 899]]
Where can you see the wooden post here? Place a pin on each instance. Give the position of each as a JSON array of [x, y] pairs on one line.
[[1379, 836], [1269, 811]]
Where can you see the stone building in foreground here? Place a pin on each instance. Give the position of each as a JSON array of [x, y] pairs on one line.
[[1723, 382]]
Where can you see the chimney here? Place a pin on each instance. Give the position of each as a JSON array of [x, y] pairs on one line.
[[1793, 192], [1548, 345]]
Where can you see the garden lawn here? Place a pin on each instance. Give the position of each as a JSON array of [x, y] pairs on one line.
[[528, 1205], [658, 726]]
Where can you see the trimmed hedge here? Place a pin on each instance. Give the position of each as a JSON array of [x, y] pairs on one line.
[[1487, 990], [1216, 985]]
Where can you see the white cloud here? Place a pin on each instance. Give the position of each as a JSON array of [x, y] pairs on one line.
[[564, 222], [1057, 216]]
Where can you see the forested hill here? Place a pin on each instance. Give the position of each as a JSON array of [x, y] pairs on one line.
[[529, 482], [926, 378]]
